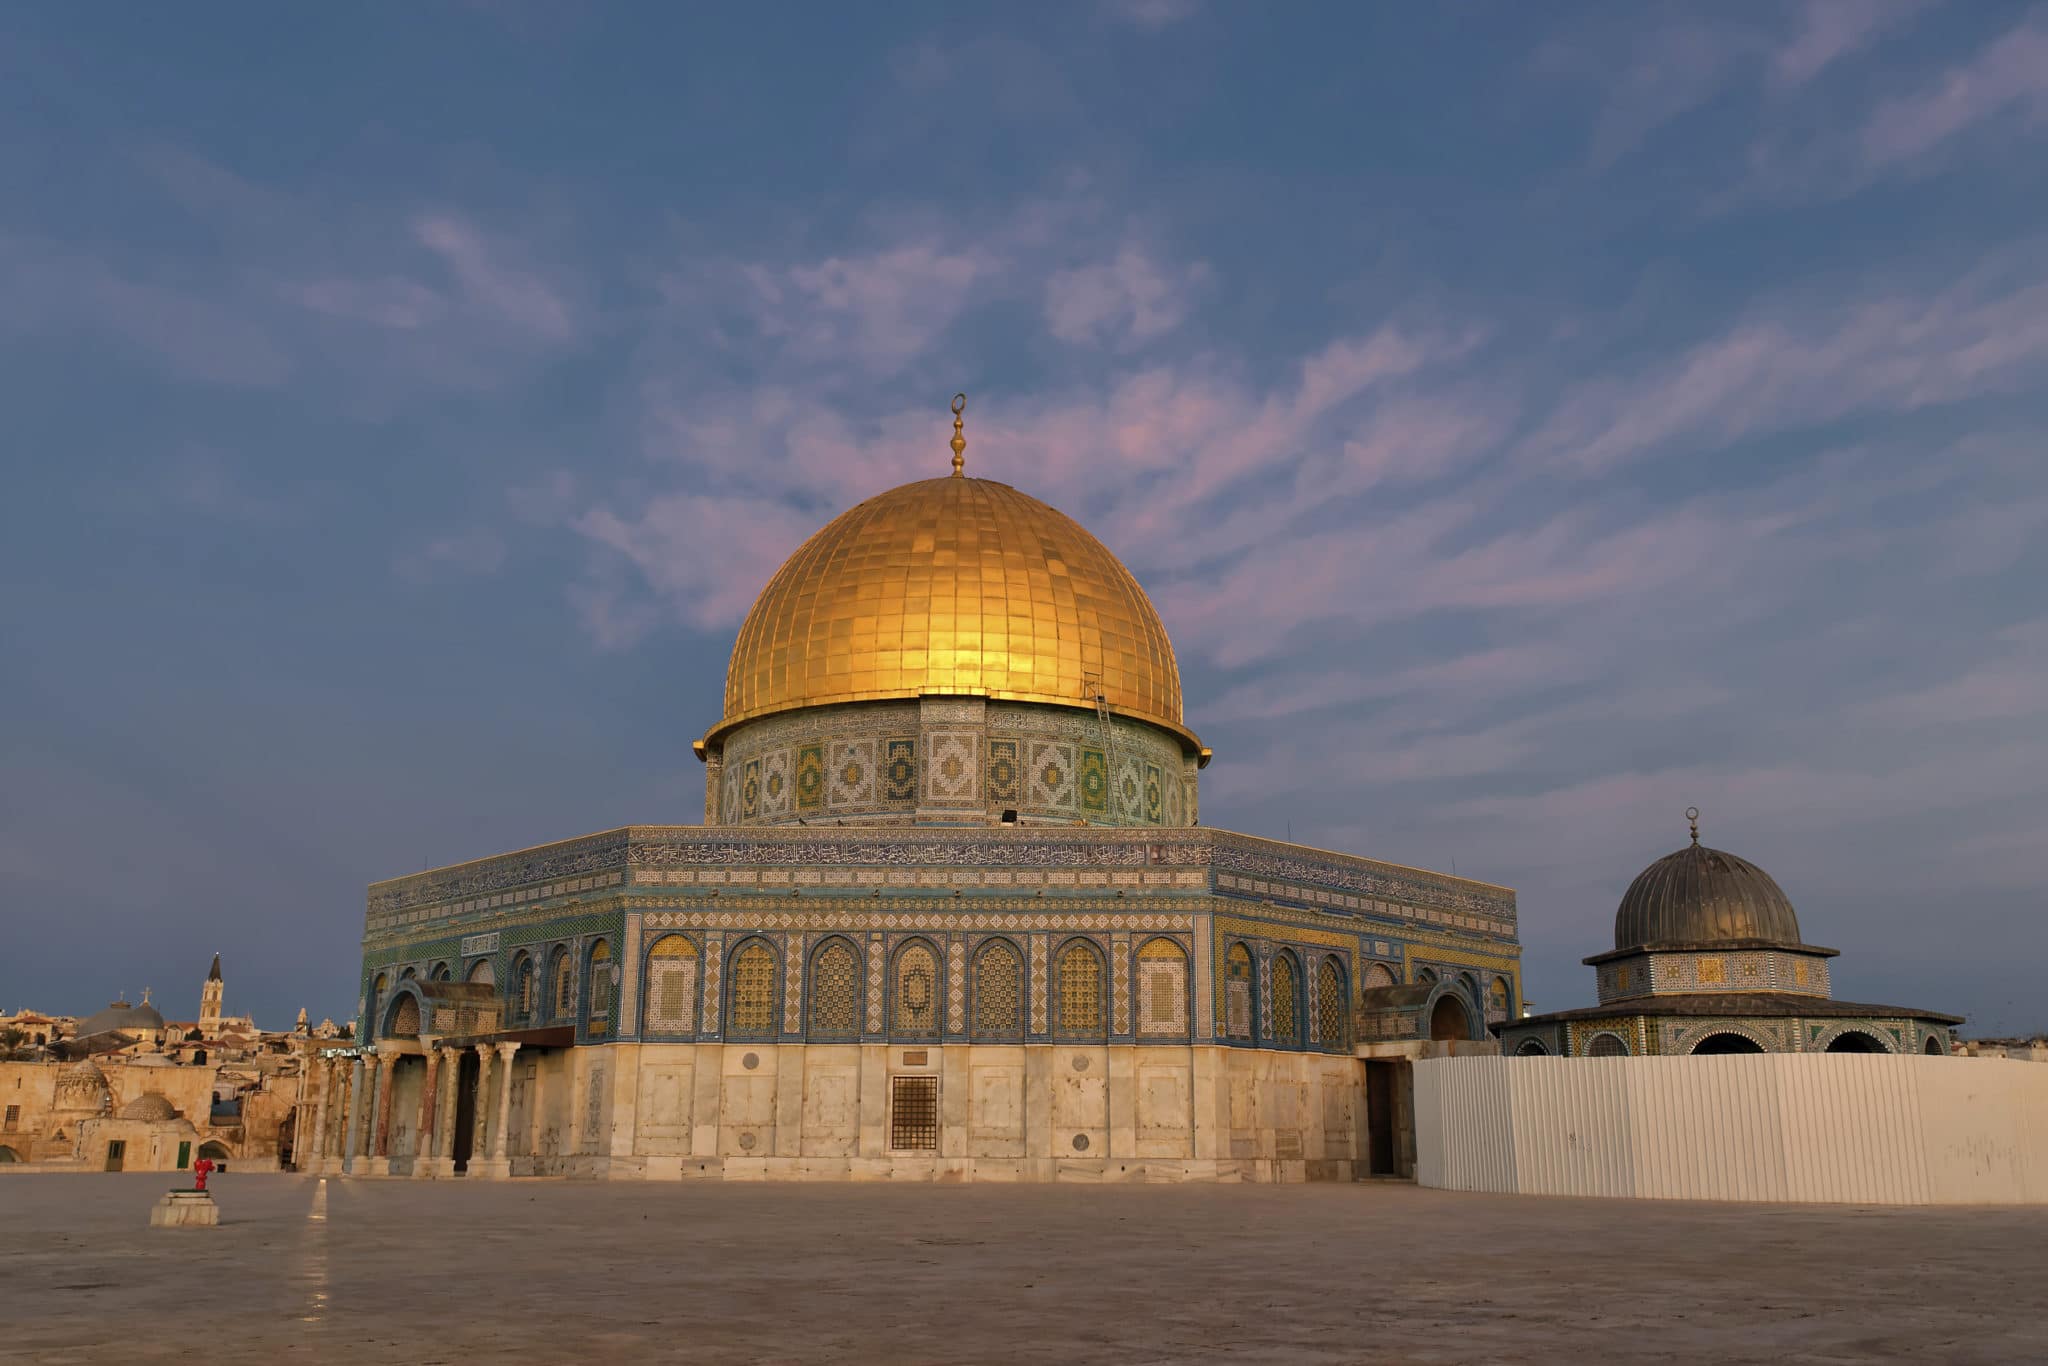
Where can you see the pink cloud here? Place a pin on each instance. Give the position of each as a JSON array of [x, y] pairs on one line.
[[2009, 76]]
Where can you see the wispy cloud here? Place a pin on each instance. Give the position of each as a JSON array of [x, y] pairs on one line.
[[1123, 302], [1829, 30], [2008, 77]]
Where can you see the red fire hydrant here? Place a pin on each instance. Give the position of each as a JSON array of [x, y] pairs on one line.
[[200, 1171]]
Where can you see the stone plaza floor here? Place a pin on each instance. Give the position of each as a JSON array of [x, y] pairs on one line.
[[534, 1271]]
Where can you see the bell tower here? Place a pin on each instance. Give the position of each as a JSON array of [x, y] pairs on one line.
[[209, 1001]]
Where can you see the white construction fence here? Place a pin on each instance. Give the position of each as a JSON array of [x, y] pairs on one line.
[[1825, 1127]]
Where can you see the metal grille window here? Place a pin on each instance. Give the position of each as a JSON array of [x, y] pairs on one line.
[[752, 1013], [1286, 1001], [1080, 988], [998, 991], [1330, 1004], [914, 1113], [835, 992]]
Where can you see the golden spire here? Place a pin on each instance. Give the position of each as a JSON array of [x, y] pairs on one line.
[[1692, 816], [959, 441]]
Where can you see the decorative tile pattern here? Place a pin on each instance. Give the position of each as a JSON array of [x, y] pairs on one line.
[[1038, 983], [1080, 991], [777, 785], [916, 1013], [751, 1012], [1155, 795], [810, 778], [1239, 982], [874, 984], [1094, 779], [1120, 985], [1129, 793], [1332, 1010], [899, 776], [853, 774], [793, 984], [1051, 776], [1286, 1013], [1004, 776], [952, 773], [671, 986], [714, 949], [750, 790], [956, 985]]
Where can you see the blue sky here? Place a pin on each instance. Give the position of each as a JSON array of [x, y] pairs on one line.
[[1529, 421]]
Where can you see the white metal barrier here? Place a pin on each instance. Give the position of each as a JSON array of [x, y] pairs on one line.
[[1825, 1127]]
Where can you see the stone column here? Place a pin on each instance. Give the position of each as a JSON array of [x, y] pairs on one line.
[[481, 1129], [505, 1052], [430, 1111], [352, 1114], [316, 1151], [387, 1072]]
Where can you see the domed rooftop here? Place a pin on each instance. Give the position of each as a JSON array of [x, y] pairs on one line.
[[151, 1106], [953, 585], [85, 1069], [1703, 896], [143, 1019]]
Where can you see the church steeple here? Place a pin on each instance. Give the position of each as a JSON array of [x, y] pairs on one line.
[[209, 1000]]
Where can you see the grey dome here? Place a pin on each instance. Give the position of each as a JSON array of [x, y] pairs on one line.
[[143, 1019], [150, 1105], [1703, 896]]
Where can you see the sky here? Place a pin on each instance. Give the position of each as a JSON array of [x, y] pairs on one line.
[[1529, 421]]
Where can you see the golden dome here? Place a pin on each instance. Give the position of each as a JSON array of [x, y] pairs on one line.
[[953, 586]]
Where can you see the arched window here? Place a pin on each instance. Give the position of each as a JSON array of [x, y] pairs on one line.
[[438, 973], [671, 986], [1450, 1018], [1726, 1042], [1497, 999], [1239, 993], [378, 986], [480, 972], [1378, 975], [1332, 1017], [1079, 984], [835, 991], [998, 991], [523, 987], [408, 975], [1532, 1048], [1607, 1046], [1425, 974], [915, 1013], [750, 999], [1286, 1030], [1162, 989], [600, 1016], [1856, 1041], [562, 988], [1934, 1048], [405, 1019]]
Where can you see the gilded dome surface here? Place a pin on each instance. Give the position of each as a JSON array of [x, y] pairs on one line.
[[1701, 896], [953, 585]]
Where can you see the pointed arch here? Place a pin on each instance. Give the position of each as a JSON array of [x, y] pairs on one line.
[[598, 961], [998, 989], [750, 999], [1077, 989], [561, 986], [1333, 1005], [1376, 976], [1287, 1012], [1240, 993], [915, 990], [671, 991], [525, 987], [834, 985], [1162, 989]]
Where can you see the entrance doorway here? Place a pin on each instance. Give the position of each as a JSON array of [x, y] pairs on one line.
[[463, 1141], [117, 1154], [1379, 1118]]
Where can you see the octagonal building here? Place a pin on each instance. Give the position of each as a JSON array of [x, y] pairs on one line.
[[950, 914]]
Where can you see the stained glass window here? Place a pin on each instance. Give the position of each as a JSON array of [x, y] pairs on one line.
[[565, 985], [1286, 1001], [1080, 991], [917, 993], [998, 990], [835, 991], [1330, 1004], [672, 986], [751, 1013]]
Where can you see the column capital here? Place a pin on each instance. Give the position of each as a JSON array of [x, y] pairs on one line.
[[486, 1050], [506, 1050], [388, 1053]]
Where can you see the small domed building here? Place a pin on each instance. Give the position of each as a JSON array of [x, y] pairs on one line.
[[951, 912], [1708, 958]]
